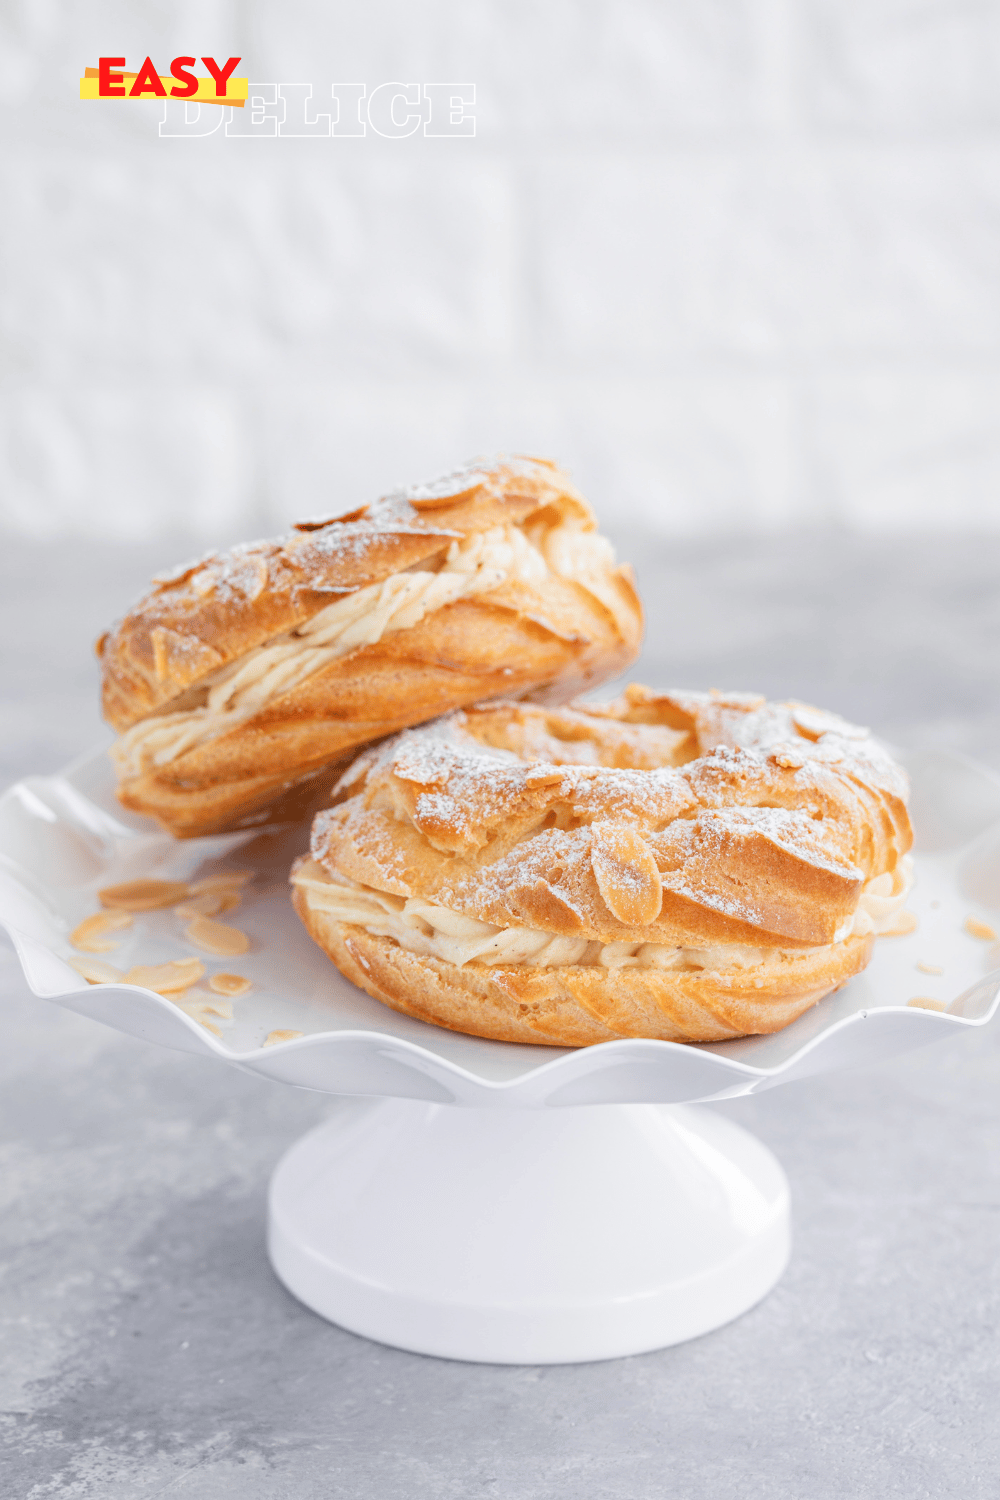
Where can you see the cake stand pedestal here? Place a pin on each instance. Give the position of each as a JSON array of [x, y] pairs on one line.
[[528, 1237]]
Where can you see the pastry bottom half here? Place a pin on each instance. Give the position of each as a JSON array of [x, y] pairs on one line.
[[579, 1005], [190, 810]]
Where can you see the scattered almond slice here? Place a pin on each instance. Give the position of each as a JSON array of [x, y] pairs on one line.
[[88, 935], [209, 1027], [143, 895], [199, 1002], [169, 978], [205, 905], [903, 922], [926, 968], [274, 1037], [978, 929], [210, 903], [216, 937], [924, 1002], [229, 984], [222, 882], [96, 972]]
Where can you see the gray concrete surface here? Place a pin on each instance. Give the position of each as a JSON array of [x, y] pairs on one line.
[[147, 1350]]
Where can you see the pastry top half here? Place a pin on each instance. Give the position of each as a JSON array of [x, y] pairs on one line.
[[678, 821], [240, 674]]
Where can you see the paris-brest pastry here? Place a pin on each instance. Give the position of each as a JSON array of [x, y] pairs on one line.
[[685, 866], [243, 675]]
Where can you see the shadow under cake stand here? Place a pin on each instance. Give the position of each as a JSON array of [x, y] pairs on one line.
[[488, 1201]]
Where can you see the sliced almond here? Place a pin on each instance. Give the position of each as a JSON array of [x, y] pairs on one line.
[[96, 972], [88, 935], [274, 1037], [213, 1029], [216, 937], [980, 930], [169, 978], [812, 723], [627, 875], [229, 984], [205, 905], [902, 923], [926, 968], [221, 882], [143, 895], [924, 1002], [199, 1002]]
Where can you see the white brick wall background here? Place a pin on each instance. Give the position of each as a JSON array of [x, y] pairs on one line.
[[734, 262]]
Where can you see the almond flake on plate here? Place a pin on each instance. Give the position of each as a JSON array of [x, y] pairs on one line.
[[924, 1002], [205, 905], [274, 1037], [229, 984], [903, 922], [226, 880], [143, 895], [88, 935], [96, 972], [198, 1003], [167, 979], [979, 929], [926, 968], [216, 937]]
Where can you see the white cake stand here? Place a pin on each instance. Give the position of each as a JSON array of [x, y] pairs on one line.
[[481, 1200]]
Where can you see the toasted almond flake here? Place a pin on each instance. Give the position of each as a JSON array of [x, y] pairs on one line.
[[198, 1003], [978, 929], [88, 934], [205, 905], [216, 937], [142, 895], [229, 984], [167, 979], [903, 923], [274, 1037], [924, 1002], [224, 881], [626, 872], [926, 968], [213, 1029], [96, 972]]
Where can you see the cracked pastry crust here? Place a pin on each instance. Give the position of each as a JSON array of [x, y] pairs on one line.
[[242, 678], [683, 866]]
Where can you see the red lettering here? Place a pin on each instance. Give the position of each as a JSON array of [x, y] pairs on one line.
[[179, 69], [147, 82], [220, 74], [106, 79]]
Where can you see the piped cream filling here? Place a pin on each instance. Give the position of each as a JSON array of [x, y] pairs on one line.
[[438, 932], [247, 685]]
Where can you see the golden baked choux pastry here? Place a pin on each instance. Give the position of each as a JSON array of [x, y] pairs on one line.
[[241, 676], [686, 866]]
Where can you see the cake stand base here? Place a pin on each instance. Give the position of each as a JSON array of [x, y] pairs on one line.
[[528, 1236]]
